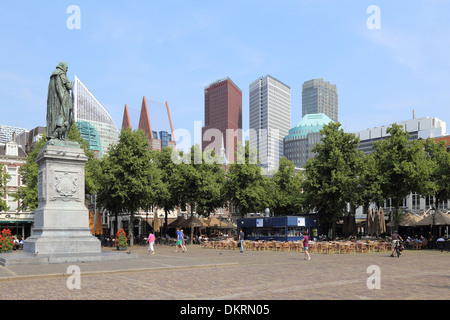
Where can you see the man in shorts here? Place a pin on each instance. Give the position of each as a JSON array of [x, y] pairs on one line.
[[179, 240], [395, 239]]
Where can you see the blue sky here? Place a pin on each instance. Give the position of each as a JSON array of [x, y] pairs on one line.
[[170, 50]]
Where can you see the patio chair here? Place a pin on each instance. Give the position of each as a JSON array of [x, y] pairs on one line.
[[351, 248], [379, 247], [296, 246], [331, 247], [270, 245], [340, 247], [362, 248], [278, 246], [388, 246]]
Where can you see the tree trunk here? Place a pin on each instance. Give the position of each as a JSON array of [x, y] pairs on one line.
[[131, 228], [116, 222], [190, 224], [165, 222]]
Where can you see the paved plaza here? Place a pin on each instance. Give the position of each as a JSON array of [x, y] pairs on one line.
[[213, 274]]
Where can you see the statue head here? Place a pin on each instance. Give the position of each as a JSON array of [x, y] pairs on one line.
[[63, 65]]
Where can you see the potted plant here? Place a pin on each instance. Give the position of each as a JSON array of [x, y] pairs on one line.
[[6, 242], [121, 240]]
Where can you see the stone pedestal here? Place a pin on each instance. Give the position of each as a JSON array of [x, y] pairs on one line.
[[61, 224], [61, 232]]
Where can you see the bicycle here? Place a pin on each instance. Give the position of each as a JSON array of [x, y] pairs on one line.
[[398, 248]]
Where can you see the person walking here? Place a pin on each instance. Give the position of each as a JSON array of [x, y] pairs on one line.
[[183, 242], [241, 240], [306, 246], [151, 242], [178, 242]]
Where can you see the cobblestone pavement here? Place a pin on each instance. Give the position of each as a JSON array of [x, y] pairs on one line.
[[213, 274]]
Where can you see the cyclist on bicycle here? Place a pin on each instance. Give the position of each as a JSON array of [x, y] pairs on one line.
[[395, 238]]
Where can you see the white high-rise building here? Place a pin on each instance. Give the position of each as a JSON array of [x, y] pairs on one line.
[[6, 132], [93, 121], [270, 119]]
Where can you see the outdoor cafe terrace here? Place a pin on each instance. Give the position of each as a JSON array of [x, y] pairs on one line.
[[328, 247]]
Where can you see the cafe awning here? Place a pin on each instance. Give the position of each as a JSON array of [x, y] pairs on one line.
[[196, 222], [216, 223], [440, 219]]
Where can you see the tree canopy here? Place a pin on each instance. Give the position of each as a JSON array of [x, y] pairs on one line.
[[332, 176], [246, 188], [130, 179]]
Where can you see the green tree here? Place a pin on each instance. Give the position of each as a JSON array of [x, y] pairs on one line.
[[200, 183], [286, 193], [246, 188], [403, 167], [332, 177], [4, 178], [166, 196], [28, 191], [129, 178], [440, 173], [370, 183]]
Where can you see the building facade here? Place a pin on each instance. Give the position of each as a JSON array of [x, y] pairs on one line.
[[86, 108], [320, 96], [420, 128], [6, 132], [223, 118], [12, 158], [29, 139], [270, 119], [302, 138]]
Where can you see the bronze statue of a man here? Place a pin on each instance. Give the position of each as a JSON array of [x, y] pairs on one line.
[[59, 104]]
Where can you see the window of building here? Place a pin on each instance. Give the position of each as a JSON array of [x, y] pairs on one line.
[[12, 171]]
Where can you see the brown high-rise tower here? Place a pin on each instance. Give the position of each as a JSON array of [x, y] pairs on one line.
[[223, 112]]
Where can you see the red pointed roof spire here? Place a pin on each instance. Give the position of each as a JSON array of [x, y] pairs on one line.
[[126, 119], [144, 120]]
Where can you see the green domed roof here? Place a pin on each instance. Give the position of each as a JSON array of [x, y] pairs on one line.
[[309, 123]]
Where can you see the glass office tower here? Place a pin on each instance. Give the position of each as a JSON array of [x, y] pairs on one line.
[[319, 96], [86, 108]]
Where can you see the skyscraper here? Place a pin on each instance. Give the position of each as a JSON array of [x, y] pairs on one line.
[[319, 96], [6, 132], [270, 119], [93, 121], [223, 118]]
